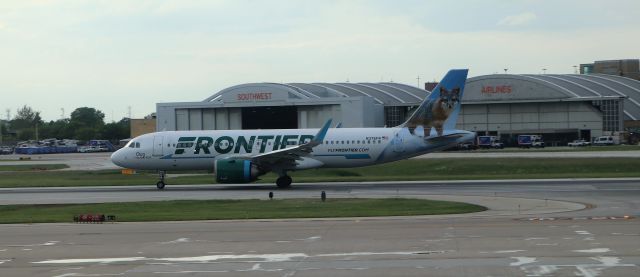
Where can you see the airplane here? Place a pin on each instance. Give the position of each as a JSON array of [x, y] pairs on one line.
[[242, 156]]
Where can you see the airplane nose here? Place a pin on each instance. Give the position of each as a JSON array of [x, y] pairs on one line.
[[118, 158]]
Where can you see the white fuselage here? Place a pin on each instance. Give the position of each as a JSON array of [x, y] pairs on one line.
[[341, 147]]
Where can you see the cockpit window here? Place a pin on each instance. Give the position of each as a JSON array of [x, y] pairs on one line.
[[137, 145], [130, 144]]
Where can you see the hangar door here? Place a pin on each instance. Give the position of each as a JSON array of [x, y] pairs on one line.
[[276, 117]]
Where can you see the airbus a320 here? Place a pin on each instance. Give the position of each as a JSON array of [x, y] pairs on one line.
[[242, 156]]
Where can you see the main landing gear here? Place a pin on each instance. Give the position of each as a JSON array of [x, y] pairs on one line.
[[284, 181], [160, 184]]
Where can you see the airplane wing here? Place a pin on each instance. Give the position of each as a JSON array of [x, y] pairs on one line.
[[287, 157]]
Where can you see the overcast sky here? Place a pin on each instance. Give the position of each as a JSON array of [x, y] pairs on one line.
[[114, 54]]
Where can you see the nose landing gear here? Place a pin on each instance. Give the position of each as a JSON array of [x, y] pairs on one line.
[[160, 184]]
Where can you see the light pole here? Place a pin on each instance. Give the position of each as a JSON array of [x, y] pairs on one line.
[[544, 71], [505, 70]]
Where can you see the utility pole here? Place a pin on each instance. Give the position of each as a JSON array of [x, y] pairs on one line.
[[418, 81], [544, 71], [505, 70]]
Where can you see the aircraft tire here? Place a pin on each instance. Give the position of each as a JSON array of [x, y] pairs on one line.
[[160, 185], [284, 182]]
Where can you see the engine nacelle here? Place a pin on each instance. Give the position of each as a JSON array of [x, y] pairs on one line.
[[236, 171]]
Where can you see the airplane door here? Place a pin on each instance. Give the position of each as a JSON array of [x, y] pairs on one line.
[[158, 143], [398, 143]]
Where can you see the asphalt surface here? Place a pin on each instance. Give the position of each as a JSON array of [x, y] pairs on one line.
[[102, 161], [533, 228]]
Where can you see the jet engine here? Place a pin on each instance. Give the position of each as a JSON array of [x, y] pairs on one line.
[[236, 171]]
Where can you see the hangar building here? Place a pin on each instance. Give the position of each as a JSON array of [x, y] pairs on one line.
[[560, 107], [294, 105]]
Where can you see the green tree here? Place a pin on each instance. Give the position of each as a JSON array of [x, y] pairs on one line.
[[60, 129], [26, 134], [87, 117], [25, 121], [86, 133], [87, 123], [116, 131]]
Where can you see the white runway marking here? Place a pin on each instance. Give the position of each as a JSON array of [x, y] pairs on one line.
[[502, 251], [583, 233], [311, 239], [88, 275], [594, 250], [48, 243], [4, 261], [180, 240], [522, 261], [99, 260], [282, 257], [192, 272], [585, 270]]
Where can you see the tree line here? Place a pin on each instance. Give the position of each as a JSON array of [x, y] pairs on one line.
[[83, 124]]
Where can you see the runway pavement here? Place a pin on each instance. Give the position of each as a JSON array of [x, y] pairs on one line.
[[534, 228], [102, 161]]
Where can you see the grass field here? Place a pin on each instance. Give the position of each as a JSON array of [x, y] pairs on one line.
[[32, 167], [234, 209], [416, 169]]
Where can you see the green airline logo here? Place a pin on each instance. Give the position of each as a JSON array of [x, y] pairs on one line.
[[227, 144]]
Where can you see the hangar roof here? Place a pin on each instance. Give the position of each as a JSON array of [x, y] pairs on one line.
[[532, 88], [387, 94], [571, 86]]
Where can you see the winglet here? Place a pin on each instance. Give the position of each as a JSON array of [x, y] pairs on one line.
[[319, 137], [339, 125]]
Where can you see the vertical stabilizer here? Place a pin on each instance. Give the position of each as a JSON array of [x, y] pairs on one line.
[[440, 110]]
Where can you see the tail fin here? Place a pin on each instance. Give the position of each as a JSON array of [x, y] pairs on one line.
[[440, 110]]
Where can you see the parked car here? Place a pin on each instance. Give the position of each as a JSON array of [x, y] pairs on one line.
[[6, 150], [604, 140], [578, 143]]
